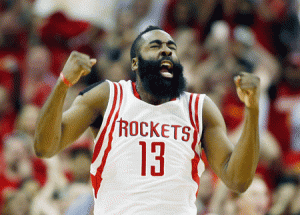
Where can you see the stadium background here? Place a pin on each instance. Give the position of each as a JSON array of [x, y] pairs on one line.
[[216, 39]]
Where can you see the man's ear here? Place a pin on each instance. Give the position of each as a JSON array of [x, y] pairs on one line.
[[134, 64]]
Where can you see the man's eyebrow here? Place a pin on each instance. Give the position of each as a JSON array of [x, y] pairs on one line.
[[170, 42]]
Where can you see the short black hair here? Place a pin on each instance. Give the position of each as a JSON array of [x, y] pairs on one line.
[[135, 45]]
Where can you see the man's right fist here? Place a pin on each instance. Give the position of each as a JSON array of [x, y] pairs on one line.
[[77, 65]]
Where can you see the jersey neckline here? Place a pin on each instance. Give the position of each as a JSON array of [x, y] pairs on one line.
[[137, 95]]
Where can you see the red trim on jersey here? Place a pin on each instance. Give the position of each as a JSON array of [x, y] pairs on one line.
[[190, 110], [196, 112], [196, 159], [95, 183], [137, 95], [97, 179], [101, 138]]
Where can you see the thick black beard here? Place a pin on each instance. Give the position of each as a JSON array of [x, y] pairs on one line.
[[157, 85]]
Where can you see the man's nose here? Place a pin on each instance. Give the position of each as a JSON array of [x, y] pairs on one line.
[[166, 51]]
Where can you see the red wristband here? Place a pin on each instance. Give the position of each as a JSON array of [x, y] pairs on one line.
[[66, 81]]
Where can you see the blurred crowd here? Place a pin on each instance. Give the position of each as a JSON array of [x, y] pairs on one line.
[[216, 39]]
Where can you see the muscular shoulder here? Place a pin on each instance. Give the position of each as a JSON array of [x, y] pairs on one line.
[[95, 97], [211, 114]]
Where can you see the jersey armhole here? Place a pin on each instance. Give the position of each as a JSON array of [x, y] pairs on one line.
[[98, 121], [89, 88], [200, 113]]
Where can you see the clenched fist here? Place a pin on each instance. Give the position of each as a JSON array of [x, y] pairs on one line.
[[248, 89], [77, 65]]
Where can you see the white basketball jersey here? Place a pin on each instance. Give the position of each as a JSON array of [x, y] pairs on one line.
[[147, 157]]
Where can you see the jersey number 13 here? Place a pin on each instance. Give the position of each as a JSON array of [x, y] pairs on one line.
[[155, 147]]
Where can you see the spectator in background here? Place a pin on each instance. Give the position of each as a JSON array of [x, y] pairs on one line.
[[274, 23], [18, 165], [285, 100], [61, 34], [26, 119], [239, 12], [25, 128], [180, 14], [98, 13], [208, 12], [248, 55], [15, 27], [146, 12], [255, 201], [290, 28], [269, 16], [18, 162], [18, 202], [197, 14], [48, 200], [132, 16], [7, 114], [220, 64], [15, 30], [7, 122], [80, 195], [38, 79], [61, 195], [10, 78], [192, 56], [269, 20], [205, 191], [113, 64]]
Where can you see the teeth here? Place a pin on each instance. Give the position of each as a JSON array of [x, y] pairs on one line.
[[166, 74], [168, 64]]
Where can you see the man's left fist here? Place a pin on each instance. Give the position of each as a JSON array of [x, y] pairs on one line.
[[248, 89]]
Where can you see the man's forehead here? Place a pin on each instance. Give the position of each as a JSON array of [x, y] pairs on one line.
[[157, 35]]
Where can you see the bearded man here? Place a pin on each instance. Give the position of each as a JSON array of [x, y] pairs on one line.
[[149, 134]]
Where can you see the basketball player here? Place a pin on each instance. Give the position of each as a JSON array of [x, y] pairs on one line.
[[147, 150]]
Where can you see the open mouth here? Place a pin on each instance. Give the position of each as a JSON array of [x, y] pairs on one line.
[[166, 67]]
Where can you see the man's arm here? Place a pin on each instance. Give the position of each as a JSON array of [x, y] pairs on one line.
[[235, 165], [55, 130]]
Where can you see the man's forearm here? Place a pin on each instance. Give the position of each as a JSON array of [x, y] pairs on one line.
[[243, 161], [48, 127], [50, 130]]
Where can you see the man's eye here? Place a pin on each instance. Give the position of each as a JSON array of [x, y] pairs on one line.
[[154, 46], [173, 48]]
